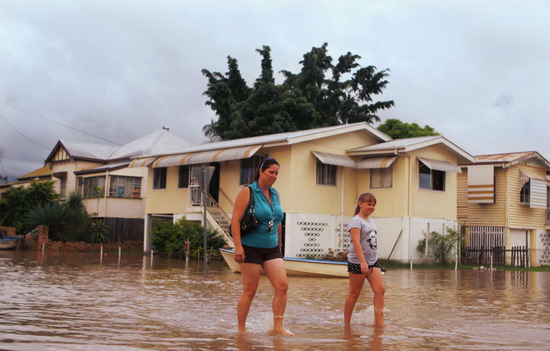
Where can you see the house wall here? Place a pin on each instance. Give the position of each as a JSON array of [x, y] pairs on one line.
[[70, 167], [390, 202], [431, 203], [169, 200], [522, 216], [296, 182], [483, 214]]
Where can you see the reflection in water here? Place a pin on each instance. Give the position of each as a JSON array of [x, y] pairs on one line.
[[84, 301]]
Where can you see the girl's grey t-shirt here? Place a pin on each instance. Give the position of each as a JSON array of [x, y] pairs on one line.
[[367, 229]]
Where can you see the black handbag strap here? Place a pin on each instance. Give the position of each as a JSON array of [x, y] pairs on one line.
[[251, 201]]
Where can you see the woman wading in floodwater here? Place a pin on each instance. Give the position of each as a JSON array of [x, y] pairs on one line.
[[261, 248], [363, 259]]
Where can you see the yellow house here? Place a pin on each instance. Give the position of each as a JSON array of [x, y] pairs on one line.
[[42, 174], [100, 173], [503, 201], [322, 172]]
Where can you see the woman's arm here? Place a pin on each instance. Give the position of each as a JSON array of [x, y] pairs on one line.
[[239, 209], [280, 229], [356, 240]]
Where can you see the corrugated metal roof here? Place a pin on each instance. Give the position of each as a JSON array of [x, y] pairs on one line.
[[505, 157], [396, 144], [511, 158], [37, 173], [283, 138]]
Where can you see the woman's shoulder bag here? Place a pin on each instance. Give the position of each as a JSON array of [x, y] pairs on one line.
[[249, 222]]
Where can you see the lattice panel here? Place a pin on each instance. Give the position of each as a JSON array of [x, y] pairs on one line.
[[545, 256], [344, 238], [311, 235], [312, 232]]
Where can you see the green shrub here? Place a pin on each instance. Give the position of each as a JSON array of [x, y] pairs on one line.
[[440, 247], [170, 238], [98, 231]]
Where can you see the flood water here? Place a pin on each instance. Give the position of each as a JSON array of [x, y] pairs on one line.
[[68, 301]]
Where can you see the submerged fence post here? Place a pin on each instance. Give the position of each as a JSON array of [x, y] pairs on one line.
[[187, 246], [119, 254], [151, 258], [101, 254]]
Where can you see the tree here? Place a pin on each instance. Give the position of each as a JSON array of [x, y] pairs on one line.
[[321, 94], [17, 202], [65, 220], [397, 129]]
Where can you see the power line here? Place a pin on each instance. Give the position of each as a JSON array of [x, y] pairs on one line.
[[56, 122], [24, 136]]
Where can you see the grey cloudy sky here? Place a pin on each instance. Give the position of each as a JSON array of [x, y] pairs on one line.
[[476, 71]]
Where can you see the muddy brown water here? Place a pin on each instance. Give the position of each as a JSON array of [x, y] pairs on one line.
[[75, 301]]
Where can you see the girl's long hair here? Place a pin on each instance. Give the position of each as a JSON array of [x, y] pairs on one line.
[[265, 165], [364, 197]]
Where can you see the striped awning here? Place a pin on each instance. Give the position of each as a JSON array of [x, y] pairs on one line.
[[481, 184], [141, 162], [440, 165], [376, 162], [218, 155], [334, 159]]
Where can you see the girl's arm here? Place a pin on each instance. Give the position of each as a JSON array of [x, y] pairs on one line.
[[356, 240]]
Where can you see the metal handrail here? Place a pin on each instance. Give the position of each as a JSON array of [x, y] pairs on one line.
[[211, 203]]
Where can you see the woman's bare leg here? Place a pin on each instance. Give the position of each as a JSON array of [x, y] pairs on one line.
[[250, 275], [276, 273]]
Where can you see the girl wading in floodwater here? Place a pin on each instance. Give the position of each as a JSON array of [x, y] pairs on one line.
[[363, 259], [261, 248]]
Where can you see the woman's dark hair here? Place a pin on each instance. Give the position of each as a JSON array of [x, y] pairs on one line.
[[364, 197], [265, 165]]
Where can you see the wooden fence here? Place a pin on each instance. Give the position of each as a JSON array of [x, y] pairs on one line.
[[124, 229], [482, 256]]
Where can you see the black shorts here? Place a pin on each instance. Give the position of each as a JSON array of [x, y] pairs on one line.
[[355, 268], [258, 256]]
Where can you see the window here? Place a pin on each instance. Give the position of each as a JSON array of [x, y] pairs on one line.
[[525, 193], [63, 187], [159, 178], [381, 178], [125, 187], [249, 166], [326, 174], [430, 178], [183, 176], [92, 187]]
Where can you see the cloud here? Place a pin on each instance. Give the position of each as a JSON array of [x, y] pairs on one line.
[[475, 71]]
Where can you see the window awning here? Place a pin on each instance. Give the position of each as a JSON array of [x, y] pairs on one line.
[[141, 162], [194, 158], [440, 165], [334, 159], [376, 162]]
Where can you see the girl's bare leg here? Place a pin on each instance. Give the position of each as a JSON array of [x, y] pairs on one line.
[[356, 282], [376, 282]]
